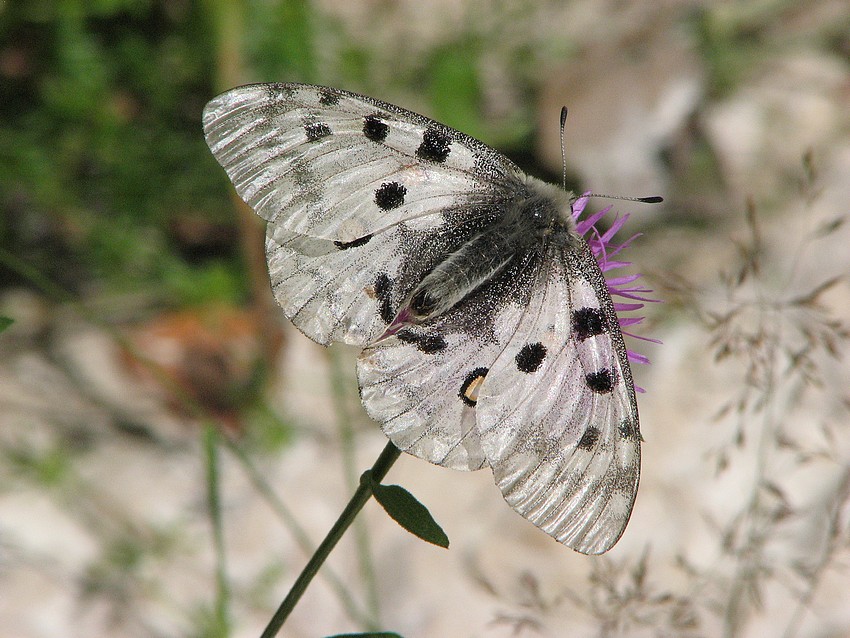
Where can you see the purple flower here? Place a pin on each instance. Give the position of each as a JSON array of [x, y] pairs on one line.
[[618, 287]]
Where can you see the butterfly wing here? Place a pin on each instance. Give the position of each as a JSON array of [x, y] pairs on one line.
[[360, 196], [411, 384], [530, 376], [344, 292], [557, 415], [336, 165], [422, 383]]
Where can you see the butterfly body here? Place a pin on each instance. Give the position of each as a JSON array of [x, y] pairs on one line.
[[489, 337], [513, 234]]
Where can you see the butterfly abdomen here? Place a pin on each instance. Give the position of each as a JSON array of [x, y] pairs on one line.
[[460, 273]]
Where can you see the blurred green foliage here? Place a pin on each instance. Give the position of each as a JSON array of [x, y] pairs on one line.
[[100, 107], [104, 167]]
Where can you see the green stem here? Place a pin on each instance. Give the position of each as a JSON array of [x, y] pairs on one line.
[[361, 495]]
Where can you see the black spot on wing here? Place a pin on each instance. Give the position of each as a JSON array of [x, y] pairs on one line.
[[316, 131], [529, 358], [588, 322], [374, 128], [390, 195], [601, 382], [589, 438], [427, 343], [383, 293], [360, 241], [328, 98], [436, 145], [432, 343], [469, 389]]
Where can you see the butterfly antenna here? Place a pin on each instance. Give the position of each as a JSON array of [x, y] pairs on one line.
[[563, 149], [655, 199]]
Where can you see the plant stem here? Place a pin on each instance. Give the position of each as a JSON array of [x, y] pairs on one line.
[[361, 495]]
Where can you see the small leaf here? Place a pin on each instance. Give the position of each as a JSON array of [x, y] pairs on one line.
[[373, 634], [5, 322], [405, 510]]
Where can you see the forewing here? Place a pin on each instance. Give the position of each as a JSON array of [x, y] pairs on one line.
[[557, 415], [340, 166]]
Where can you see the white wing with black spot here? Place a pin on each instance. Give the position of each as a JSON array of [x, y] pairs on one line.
[[422, 383], [327, 163], [557, 415], [362, 197], [336, 292], [413, 382]]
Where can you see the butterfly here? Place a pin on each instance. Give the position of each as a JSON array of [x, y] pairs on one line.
[[488, 335]]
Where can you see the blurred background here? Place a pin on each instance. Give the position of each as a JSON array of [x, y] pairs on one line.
[[171, 449]]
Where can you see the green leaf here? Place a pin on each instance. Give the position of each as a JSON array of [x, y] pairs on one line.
[[5, 322], [405, 510], [373, 634]]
